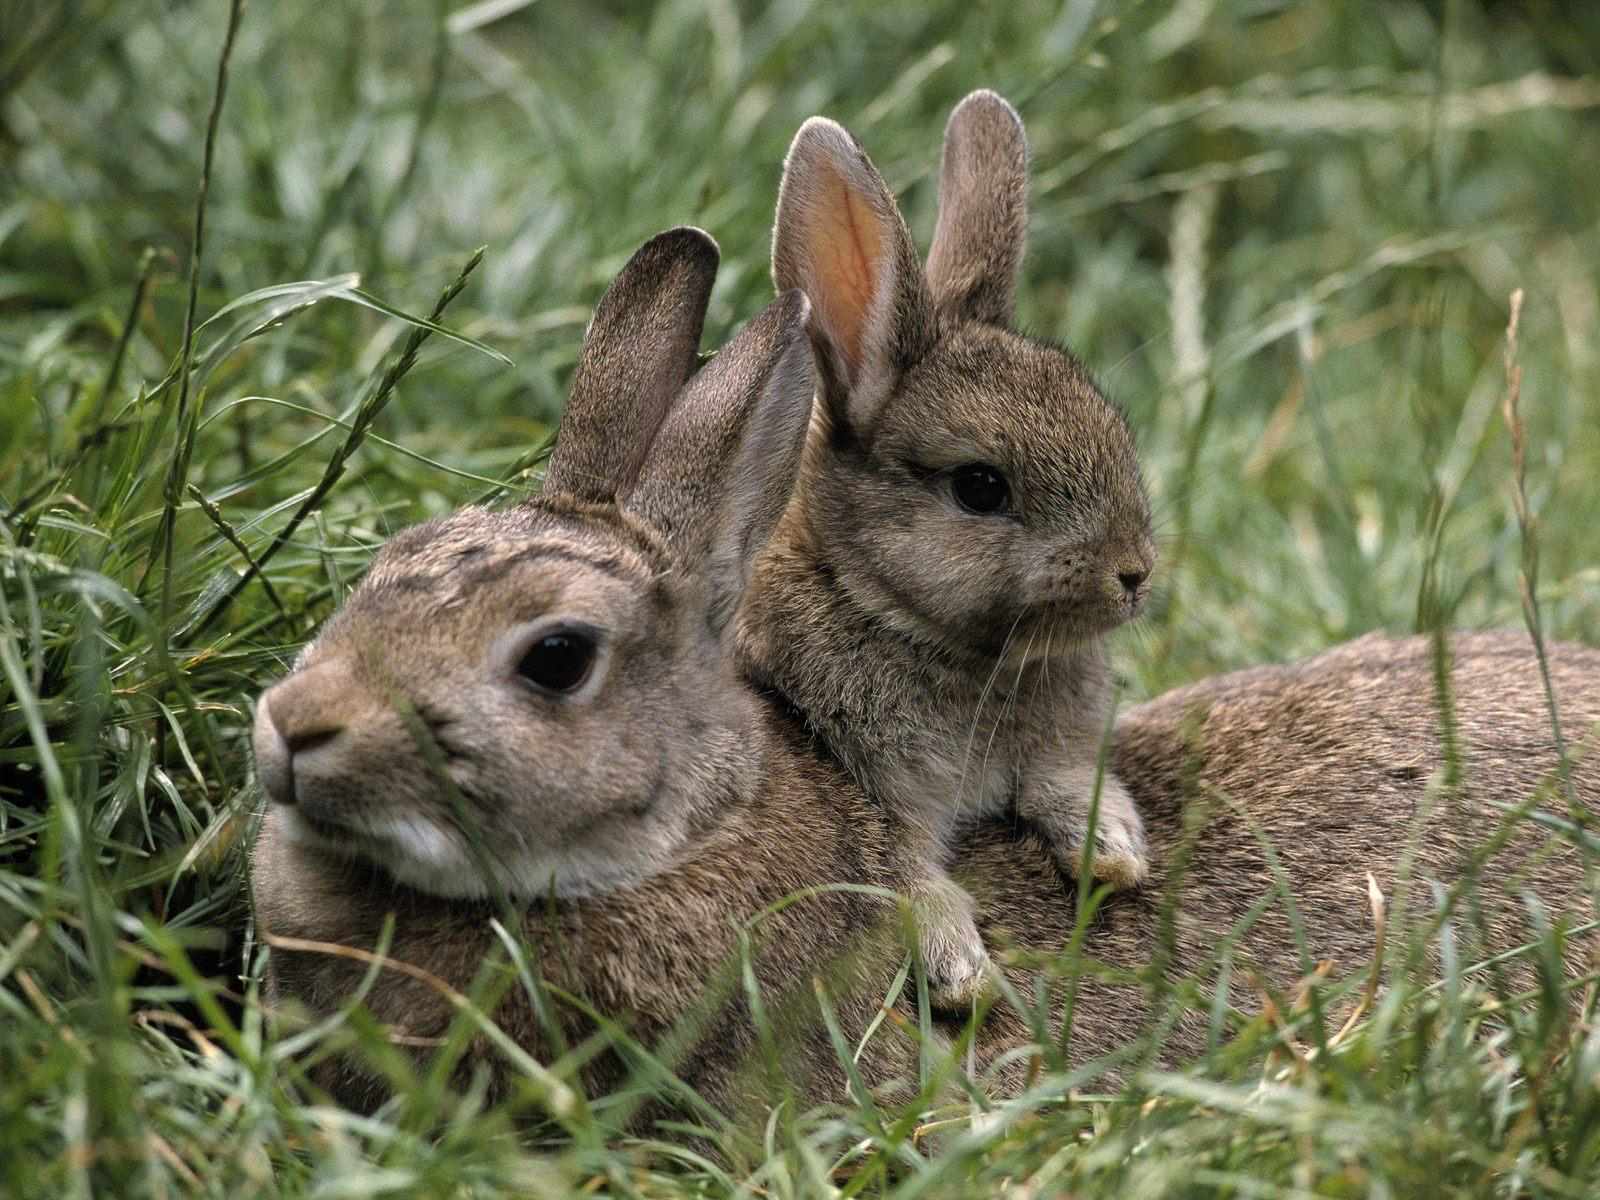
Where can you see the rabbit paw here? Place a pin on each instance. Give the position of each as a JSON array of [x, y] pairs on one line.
[[1057, 800], [951, 947], [1121, 856]]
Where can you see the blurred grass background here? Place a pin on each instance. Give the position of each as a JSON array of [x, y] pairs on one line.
[[1283, 233]]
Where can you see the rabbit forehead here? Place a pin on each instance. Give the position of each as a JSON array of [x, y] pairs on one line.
[[1025, 405], [468, 549], [468, 575]]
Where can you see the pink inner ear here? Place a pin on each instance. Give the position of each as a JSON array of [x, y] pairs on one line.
[[847, 257]]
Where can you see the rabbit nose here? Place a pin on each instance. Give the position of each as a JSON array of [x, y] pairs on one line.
[[295, 717], [302, 740]]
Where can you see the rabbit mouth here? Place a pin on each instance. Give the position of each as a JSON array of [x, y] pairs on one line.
[[334, 837], [393, 844], [1070, 619], [322, 830]]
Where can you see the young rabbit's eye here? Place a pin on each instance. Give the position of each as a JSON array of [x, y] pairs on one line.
[[558, 662], [980, 488]]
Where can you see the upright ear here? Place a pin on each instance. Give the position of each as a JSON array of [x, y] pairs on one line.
[[719, 473], [639, 348], [983, 211], [839, 238]]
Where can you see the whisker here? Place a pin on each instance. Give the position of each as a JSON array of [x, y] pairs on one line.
[[1011, 698], [1044, 667], [972, 734]]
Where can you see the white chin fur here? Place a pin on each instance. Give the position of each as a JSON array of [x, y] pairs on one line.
[[421, 855]]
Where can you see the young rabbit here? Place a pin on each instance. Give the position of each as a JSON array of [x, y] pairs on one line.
[[537, 703], [969, 524]]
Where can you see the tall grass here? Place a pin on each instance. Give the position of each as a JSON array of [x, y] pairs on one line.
[[1284, 233]]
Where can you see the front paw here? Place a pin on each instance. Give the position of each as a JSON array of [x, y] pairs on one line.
[[951, 947], [1121, 855]]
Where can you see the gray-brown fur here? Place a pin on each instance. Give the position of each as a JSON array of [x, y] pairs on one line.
[[649, 956], [409, 734], [951, 659], [983, 204], [1329, 760]]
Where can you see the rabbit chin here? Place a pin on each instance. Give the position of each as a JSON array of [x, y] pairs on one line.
[[419, 854]]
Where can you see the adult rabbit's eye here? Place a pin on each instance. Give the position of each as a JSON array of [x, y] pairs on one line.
[[558, 662], [980, 488]]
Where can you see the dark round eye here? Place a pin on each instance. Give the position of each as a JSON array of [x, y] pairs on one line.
[[558, 662], [979, 488]]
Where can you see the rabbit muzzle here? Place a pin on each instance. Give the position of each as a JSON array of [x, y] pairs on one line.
[[319, 743], [1129, 585], [1082, 595], [340, 766]]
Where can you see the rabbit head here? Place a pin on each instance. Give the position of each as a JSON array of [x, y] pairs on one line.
[[969, 482], [535, 701]]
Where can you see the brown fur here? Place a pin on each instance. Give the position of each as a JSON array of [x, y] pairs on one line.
[[649, 957], [409, 747], [681, 268]]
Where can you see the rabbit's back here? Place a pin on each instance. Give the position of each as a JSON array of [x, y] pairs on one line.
[[1338, 764]]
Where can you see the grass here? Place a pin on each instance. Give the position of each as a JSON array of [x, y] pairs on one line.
[[1285, 233]]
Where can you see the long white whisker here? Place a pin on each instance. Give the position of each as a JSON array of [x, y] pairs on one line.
[[972, 734], [1011, 699], [1042, 686]]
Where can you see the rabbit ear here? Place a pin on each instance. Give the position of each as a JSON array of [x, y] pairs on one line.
[[983, 211], [719, 473], [639, 348], [840, 238]]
